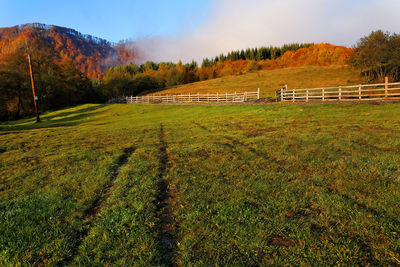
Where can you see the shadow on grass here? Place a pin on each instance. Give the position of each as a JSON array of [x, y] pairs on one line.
[[58, 113], [70, 117]]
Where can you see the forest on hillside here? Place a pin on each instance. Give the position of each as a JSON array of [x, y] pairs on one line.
[[149, 77], [90, 54], [61, 66]]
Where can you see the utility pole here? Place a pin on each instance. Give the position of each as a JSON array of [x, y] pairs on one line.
[[33, 89]]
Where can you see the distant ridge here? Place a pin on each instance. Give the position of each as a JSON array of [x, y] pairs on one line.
[[92, 55]]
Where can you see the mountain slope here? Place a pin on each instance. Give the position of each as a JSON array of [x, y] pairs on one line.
[[91, 55]]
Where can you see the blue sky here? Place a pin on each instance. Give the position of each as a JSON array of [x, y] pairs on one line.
[[112, 19], [170, 30]]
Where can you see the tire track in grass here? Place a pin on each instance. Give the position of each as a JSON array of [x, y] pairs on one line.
[[201, 126], [167, 227], [93, 210]]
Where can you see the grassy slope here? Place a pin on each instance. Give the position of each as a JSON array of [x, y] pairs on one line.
[[272, 80], [228, 185]]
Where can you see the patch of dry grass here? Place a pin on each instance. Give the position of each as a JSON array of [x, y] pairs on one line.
[[271, 80]]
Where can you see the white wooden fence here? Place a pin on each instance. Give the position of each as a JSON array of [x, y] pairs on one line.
[[341, 93], [189, 98]]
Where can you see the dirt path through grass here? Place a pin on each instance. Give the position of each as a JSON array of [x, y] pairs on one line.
[[164, 200]]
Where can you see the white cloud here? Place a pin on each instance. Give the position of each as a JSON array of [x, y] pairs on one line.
[[238, 24]]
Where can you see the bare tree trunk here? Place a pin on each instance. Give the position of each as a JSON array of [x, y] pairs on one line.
[[19, 105]]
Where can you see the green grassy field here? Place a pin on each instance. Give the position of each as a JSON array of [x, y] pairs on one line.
[[271, 80], [156, 185]]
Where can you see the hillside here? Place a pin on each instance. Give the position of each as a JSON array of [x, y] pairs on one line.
[[271, 80], [91, 55], [323, 54], [159, 185]]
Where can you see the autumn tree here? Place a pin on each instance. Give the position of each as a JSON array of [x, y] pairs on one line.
[[174, 77], [378, 55], [58, 82], [117, 82], [15, 96]]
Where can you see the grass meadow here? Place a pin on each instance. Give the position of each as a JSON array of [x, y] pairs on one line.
[[271, 80], [162, 185]]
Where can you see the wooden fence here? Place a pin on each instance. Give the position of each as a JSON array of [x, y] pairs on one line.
[[341, 93], [189, 98]]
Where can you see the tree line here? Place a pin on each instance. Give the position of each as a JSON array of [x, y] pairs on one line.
[[59, 82], [255, 54]]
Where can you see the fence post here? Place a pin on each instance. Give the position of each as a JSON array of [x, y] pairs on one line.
[[245, 96], [323, 94], [234, 98], [293, 95], [217, 98], [208, 97], [307, 95], [258, 93], [282, 94], [340, 93], [386, 87], [359, 92]]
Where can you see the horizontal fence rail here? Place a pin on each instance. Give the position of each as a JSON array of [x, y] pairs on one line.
[[189, 98], [341, 93]]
